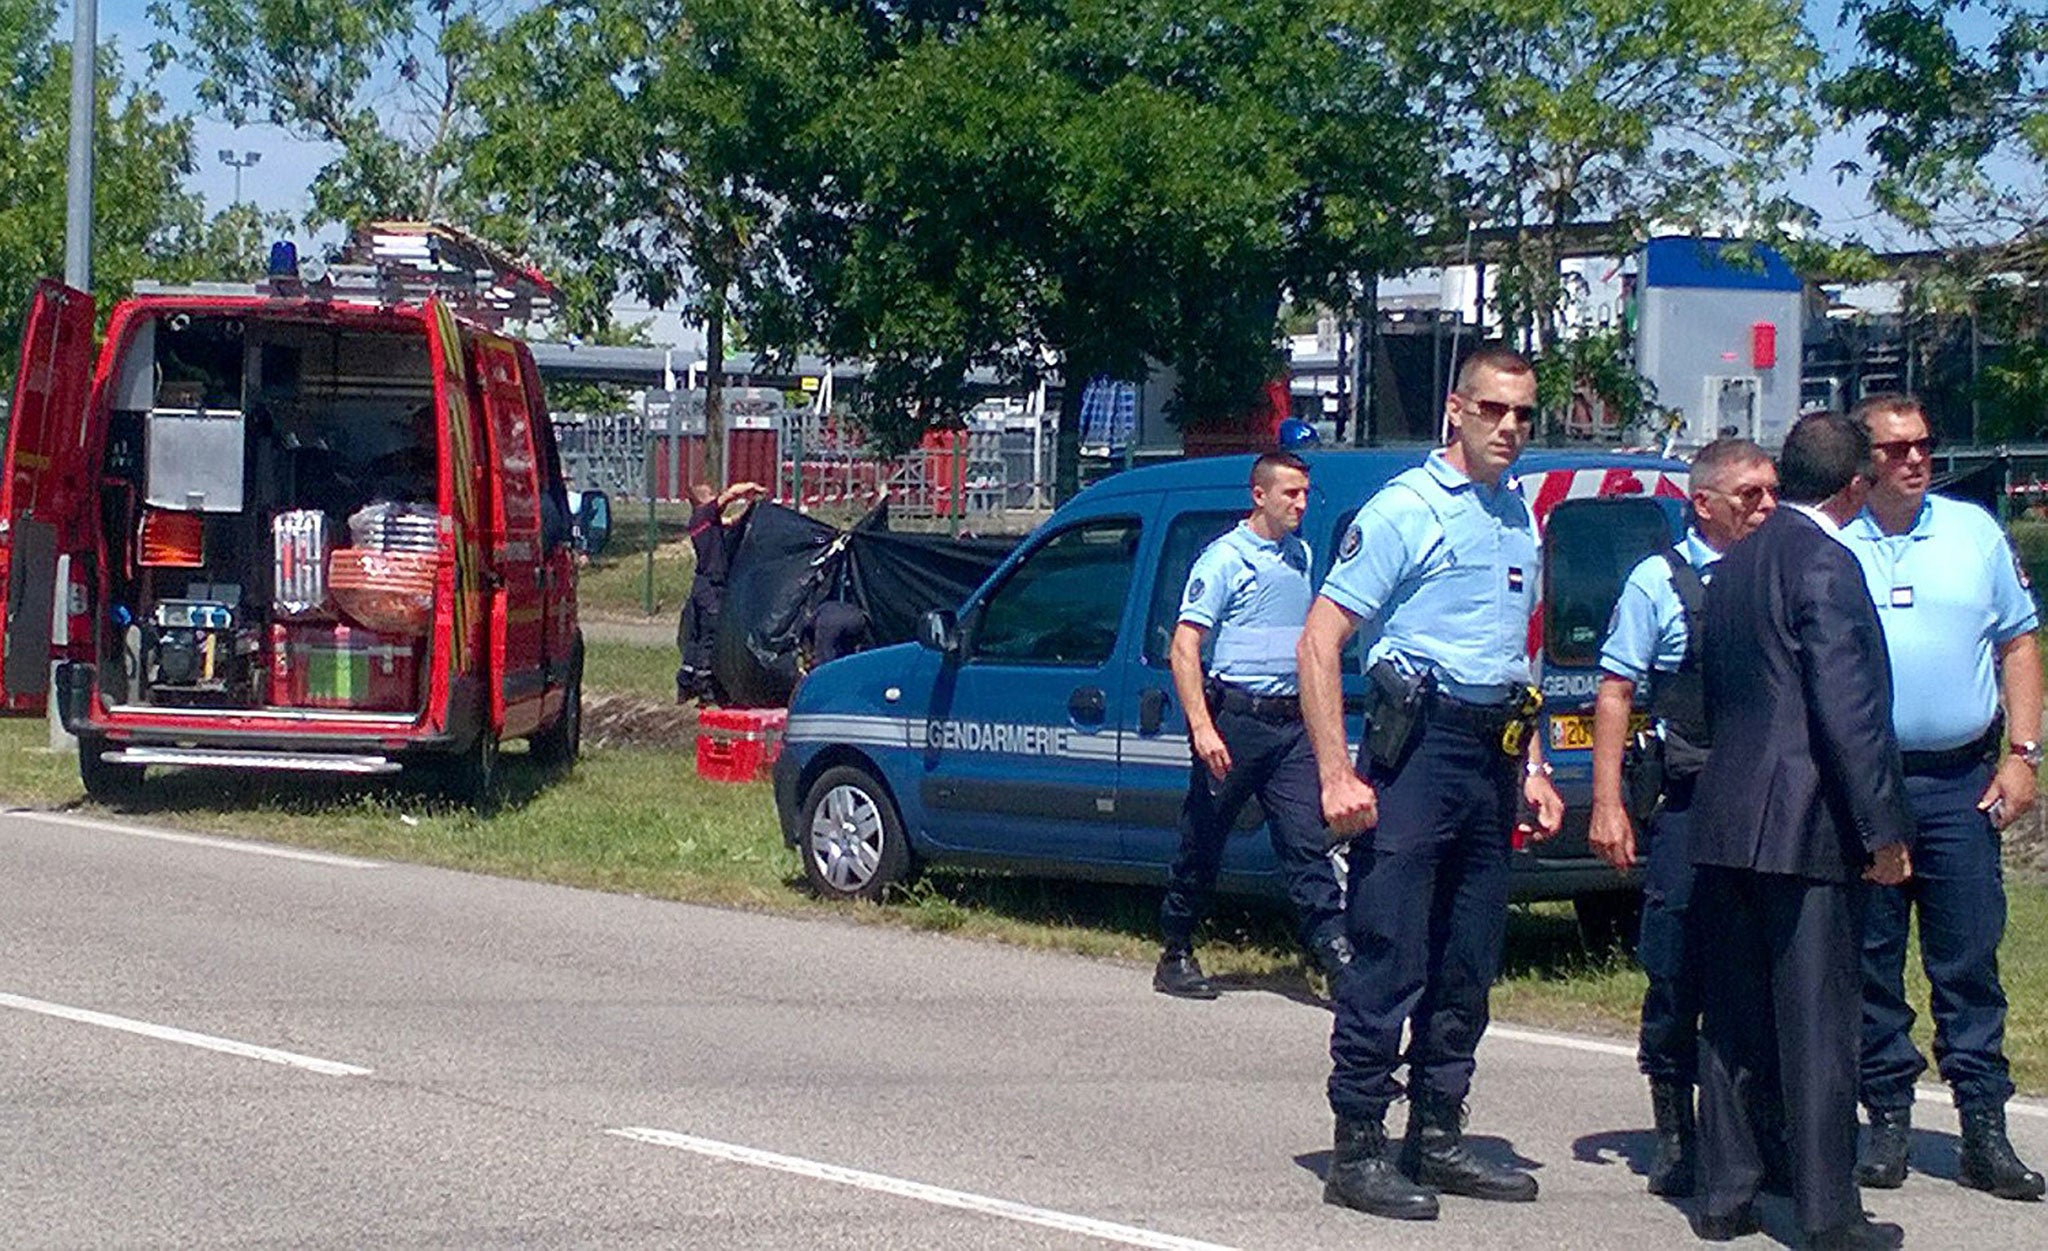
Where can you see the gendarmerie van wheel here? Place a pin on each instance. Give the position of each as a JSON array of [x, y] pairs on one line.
[[852, 840], [105, 780]]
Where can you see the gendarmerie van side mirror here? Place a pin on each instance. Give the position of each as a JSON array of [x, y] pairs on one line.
[[939, 630]]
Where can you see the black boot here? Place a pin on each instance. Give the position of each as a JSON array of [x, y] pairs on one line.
[[1435, 1154], [1860, 1234], [1883, 1166], [1180, 974], [1989, 1162], [1671, 1171], [1361, 1176]]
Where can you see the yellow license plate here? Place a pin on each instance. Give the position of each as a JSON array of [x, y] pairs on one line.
[[1574, 731]]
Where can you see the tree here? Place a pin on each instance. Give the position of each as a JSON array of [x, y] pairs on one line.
[[380, 80], [1023, 186], [1956, 96], [145, 224], [630, 136], [1638, 114]]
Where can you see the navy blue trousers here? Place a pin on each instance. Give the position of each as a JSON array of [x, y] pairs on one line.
[[1958, 890], [1427, 912], [1667, 1048], [1273, 761], [1778, 1037]]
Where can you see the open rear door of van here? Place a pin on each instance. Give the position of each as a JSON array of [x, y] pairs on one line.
[[44, 495]]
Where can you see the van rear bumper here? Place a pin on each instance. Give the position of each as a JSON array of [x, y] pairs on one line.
[[253, 738]]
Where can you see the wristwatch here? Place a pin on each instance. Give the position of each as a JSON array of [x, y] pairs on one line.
[[2029, 751]]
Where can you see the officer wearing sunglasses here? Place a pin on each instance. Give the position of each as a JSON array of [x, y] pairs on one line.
[[1959, 624], [1442, 564]]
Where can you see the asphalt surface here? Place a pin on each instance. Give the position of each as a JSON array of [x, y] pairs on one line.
[[556, 1067]]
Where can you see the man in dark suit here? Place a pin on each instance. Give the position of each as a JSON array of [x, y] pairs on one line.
[[1799, 802]]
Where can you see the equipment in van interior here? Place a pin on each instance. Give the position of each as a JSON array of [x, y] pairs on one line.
[[272, 483]]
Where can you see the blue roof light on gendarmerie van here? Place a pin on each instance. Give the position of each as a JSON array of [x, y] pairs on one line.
[[1035, 727]]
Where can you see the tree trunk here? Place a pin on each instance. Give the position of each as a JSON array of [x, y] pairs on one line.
[[714, 386], [1066, 481]]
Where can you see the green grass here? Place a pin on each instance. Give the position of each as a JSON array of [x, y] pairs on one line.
[[642, 822], [629, 669], [615, 583]]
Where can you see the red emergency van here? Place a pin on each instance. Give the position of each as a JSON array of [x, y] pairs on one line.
[[313, 524]]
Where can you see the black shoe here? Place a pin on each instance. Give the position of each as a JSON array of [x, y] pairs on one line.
[[1726, 1227], [1883, 1165], [1671, 1169], [1180, 974], [1989, 1162], [1363, 1179], [1434, 1153], [1861, 1234]]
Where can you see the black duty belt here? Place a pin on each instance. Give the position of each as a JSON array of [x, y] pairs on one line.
[[1486, 719], [1237, 700], [1950, 759]]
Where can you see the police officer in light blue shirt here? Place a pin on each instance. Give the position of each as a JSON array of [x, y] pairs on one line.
[[1651, 644], [1958, 621], [1442, 564], [1250, 589]]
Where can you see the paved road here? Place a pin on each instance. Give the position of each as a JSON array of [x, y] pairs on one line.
[[563, 1067]]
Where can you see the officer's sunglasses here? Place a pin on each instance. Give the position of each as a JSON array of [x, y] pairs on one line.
[[1494, 412], [1750, 497], [1900, 449]]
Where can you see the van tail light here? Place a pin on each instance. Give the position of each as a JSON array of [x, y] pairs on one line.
[[78, 604]]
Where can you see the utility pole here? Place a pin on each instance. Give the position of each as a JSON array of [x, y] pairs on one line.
[[78, 176], [239, 163]]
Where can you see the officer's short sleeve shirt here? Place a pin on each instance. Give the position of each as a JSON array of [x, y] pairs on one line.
[[1647, 631], [1950, 594], [1445, 571]]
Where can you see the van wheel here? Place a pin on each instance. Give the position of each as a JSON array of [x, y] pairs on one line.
[[1608, 919], [558, 746], [853, 844], [471, 777], [104, 780]]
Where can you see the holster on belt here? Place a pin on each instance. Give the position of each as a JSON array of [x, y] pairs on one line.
[[1393, 716]]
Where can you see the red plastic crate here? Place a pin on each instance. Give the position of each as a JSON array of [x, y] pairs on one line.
[[738, 744], [329, 665]]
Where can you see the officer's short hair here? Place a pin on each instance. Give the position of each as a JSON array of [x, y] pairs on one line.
[[1871, 407], [1722, 457], [1493, 356], [1823, 453], [1271, 463]]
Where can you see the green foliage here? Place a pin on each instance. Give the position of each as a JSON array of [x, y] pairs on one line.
[[1955, 93], [1600, 364], [378, 79], [145, 224], [1647, 113]]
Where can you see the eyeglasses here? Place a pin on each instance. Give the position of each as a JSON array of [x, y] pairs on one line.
[[1495, 412], [1750, 497], [1900, 449]]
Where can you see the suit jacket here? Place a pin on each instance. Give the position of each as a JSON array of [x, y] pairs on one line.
[[1804, 775]]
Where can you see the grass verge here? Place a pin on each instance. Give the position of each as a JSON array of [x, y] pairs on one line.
[[641, 821]]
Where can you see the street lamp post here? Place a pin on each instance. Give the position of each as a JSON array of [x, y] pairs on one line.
[[238, 163]]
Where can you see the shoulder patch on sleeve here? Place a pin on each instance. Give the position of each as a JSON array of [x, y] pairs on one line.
[[1353, 538], [1195, 589]]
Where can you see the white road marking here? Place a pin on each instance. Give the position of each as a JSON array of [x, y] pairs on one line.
[[195, 840], [166, 1033], [1128, 1235], [1934, 1096]]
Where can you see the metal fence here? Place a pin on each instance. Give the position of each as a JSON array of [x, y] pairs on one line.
[[1001, 462]]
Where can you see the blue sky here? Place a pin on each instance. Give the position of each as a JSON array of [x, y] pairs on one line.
[[288, 164]]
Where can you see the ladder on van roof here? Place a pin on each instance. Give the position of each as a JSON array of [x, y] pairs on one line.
[[399, 262]]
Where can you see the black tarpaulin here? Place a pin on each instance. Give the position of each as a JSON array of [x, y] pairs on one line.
[[787, 565]]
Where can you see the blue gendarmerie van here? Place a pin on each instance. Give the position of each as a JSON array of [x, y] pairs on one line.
[[1035, 728]]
